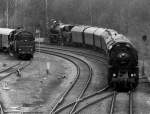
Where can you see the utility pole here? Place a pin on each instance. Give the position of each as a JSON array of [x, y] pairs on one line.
[[15, 7], [22, 13], [144, 38], [46, 16], [90, 12], [127, 21], [7, 15]]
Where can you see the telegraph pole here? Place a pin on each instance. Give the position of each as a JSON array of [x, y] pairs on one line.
[[22, 13], [7, 15], [46, 16], [15, 6], [144, 38], [90, 12], [127, 22]]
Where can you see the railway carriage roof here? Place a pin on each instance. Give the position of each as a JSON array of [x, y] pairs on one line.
[[6, 31], [79, 28], [99, 31], [91, 30]]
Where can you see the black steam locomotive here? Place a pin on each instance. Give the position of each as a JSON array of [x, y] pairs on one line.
[[60, 33], [123, 72], [17, 42], [123, 64]]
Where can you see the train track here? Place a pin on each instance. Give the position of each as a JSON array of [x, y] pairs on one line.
[[80, 83], [81, 79], [112, 107], [76, 50], [74, 106], [86, 53], [14, 69], [86, 98], [17, 68], [9, 68], [113, 102]]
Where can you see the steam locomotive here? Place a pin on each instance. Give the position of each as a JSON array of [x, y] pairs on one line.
[[123, 69], [123, 72], [17, 42], [59, 33]]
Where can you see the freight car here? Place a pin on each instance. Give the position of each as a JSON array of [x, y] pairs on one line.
[[77, 33], [17, 42]]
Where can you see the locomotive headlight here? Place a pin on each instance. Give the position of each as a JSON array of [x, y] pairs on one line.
[[123, 55], [114, 75], [128, 45], [123, 58], [19, 49], [132, 75]]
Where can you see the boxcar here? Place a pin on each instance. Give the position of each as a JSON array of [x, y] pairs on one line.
[[89, 35], [77, 34], [99, 36], [4, 38]]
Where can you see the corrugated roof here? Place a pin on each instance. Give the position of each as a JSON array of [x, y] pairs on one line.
[[79, 28], [90, 30], [6, 31], [99, 31]]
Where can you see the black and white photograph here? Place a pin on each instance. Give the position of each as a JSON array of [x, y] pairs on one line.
[[74, 56]]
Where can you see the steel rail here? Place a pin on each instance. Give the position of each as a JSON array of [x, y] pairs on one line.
[[61, 98], [83, 90], [76, 50], [92, 103], [83, 99], [10, 68], [130, 102], [67, 91], [113, 101], [97, 58], [19, 68]]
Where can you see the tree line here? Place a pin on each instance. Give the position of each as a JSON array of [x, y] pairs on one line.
[[130, 17]]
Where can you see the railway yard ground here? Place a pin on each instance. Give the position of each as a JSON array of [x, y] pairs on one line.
[[40, 86]]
